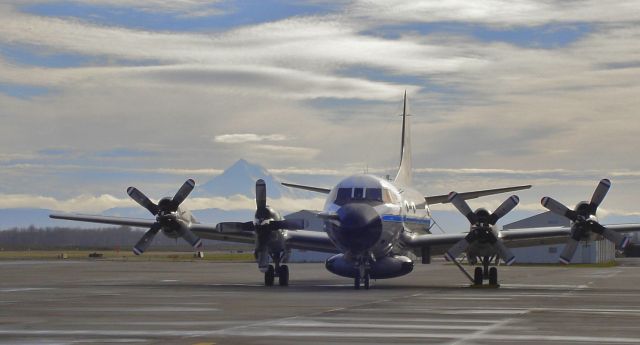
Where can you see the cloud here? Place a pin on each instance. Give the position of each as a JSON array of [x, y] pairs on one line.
[[98, 204], [247, 138], [185, 8], [494, 12], [485, 113]]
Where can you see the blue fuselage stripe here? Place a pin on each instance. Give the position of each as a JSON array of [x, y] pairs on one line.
[[405, 219]]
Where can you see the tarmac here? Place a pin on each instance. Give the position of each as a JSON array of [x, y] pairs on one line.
[[111, 302]]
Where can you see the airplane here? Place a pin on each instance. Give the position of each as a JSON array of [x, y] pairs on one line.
[[372, 225]]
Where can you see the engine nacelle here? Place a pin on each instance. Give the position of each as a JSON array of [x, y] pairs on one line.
[[382, 268]]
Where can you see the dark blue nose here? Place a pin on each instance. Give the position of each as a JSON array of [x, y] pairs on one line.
[[360, 227]]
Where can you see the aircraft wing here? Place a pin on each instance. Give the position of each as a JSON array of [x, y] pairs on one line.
[[513, 238], [296, 239], [443, 199], [309, 188], [137, 222]]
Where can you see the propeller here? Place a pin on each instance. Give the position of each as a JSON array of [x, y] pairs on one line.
[[265, 221], [481, 227], [166, 217], [584, 221]]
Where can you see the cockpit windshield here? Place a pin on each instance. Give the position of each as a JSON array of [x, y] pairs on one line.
[[369, 195]]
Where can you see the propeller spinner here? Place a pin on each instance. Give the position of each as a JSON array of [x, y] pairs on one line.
[[481, 227], [166, 217], [584, 221]]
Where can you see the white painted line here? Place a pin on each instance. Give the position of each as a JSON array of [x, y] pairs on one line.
[[28, 289], [468, 298], [278, 333], [318, 324], [404, 319]]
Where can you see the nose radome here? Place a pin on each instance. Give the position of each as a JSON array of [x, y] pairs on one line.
[[354, 216], [360, 225]]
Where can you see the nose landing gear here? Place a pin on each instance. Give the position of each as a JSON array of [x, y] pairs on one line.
[[363, 275]]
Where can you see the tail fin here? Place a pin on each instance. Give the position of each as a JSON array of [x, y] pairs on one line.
[[405, 171]]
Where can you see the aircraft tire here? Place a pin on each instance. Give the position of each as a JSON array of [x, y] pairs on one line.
[[366, 281], [477, 276], [283, 276], [269, 276], [493, 276], [356, 283]]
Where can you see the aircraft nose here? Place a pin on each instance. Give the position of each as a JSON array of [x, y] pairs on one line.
[[360, 226]]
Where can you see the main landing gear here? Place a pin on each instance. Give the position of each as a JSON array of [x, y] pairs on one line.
[[480, 274], [280, 271], [486, 272]]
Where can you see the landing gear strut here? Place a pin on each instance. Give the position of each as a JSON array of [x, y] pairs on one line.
[[363, 276], [486, 272], [482, 273], [277, 270]]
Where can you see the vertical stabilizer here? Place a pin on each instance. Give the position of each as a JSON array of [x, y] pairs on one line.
[[405, 171]]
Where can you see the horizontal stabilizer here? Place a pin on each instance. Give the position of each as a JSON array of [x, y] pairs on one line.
[[443, 199]]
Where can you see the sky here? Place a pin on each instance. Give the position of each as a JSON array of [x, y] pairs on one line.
[[97, 95]]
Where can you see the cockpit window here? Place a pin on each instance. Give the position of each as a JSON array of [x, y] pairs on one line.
[[374, 194], [369, 195], [343, 196]]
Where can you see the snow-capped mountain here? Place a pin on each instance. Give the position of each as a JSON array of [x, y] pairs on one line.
[[240, 178]]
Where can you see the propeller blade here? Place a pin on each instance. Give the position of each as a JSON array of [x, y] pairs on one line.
[[503, 209], [456, 249], [183, 192], [142, 200], [463, 207], [505, 253], [261, 194], [619, 240], [146, 239], [569, 250], [191, 238], [558, 208], [231, 227], [599, 194]]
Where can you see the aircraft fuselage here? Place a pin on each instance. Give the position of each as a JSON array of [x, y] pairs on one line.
[[365, 218]]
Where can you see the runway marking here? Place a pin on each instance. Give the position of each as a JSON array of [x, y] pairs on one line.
[[169, 281], [468, 298], [288, 334], [28, 289], [545, 287], [319, 324], [483, 331], [451, 311], [404, 319]]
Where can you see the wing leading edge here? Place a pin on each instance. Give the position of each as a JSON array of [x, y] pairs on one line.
[[443, 199], [296, 239], [514, 238]]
